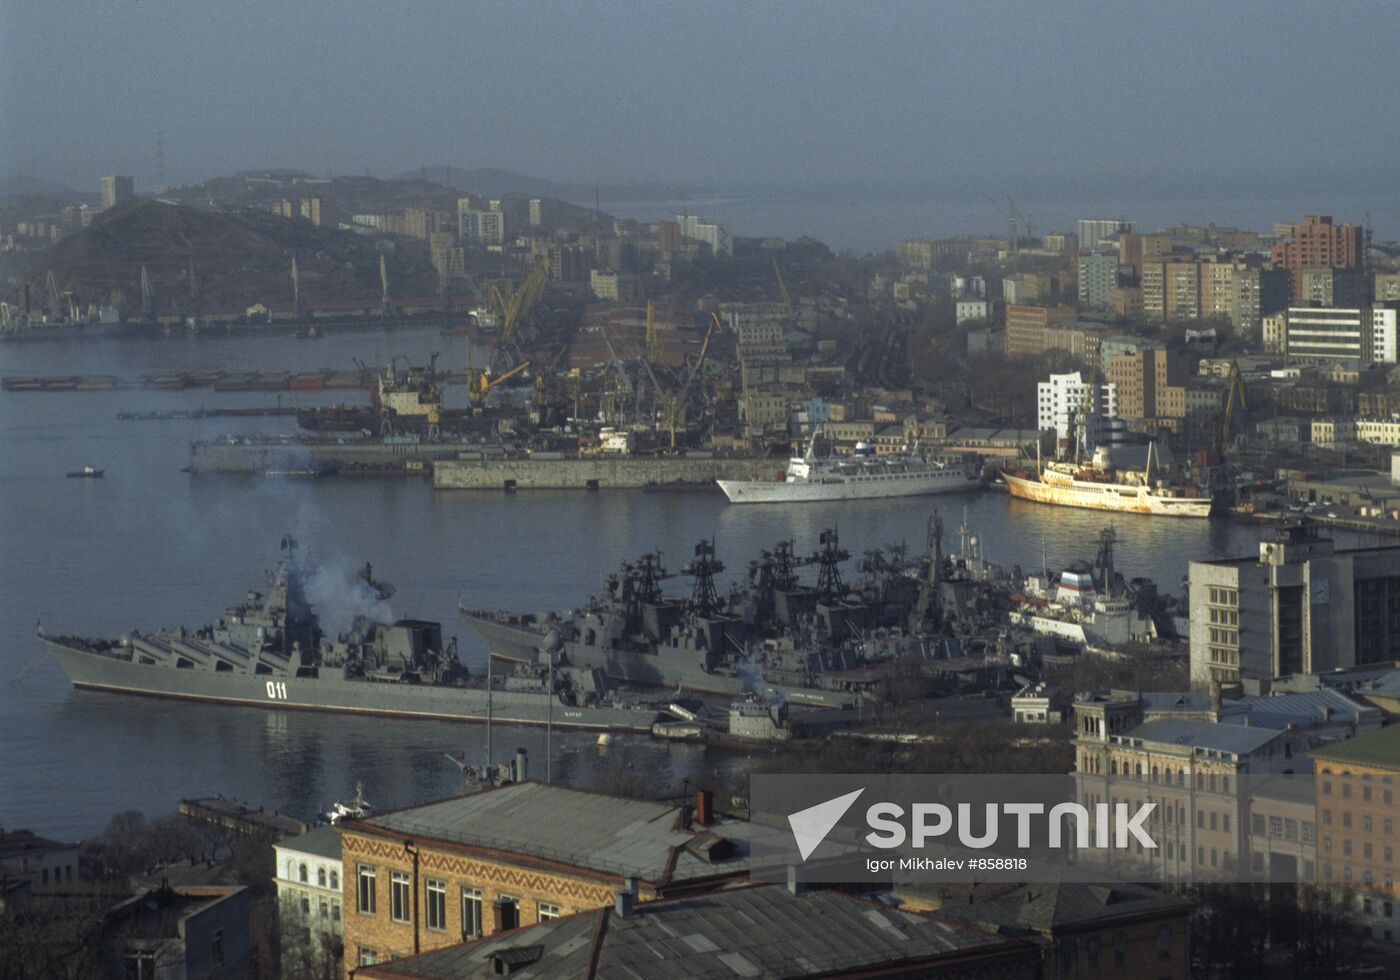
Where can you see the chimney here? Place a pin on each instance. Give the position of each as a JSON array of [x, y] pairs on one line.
[[626, 901], [704, 807], [794, 883]]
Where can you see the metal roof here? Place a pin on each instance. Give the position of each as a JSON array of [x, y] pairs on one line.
[[1301, 709], [322, 842], [608, 834], [1048, 906], [1379, 748], [1236, 739], [762, 931]]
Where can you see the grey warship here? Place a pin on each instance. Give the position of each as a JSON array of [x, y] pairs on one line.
[[772, 635], [270, 651]]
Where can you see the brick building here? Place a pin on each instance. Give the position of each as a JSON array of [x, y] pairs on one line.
[[1316, 243], [430, 876]]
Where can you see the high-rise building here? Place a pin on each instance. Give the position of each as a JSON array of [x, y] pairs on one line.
[[1317, 243], [1095, 230], [712, 234], [1328, 334], [1303, 606], [1326, 286], [1098, 275], [1026, 327], [1385, 348], [539, 211], [1142, 377], [1066, 403], [117, 189], [1386, 287], [482, 227], [1259, 293], [1171, 290]]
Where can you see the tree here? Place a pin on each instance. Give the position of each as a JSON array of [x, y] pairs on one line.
[[1322, 924]]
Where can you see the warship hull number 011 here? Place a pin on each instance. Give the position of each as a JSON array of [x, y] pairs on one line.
[[270, 651], [862, 475]]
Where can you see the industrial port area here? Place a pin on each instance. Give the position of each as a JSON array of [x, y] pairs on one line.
[[738, 554]]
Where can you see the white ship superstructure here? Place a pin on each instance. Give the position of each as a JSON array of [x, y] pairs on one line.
[[862, 475]]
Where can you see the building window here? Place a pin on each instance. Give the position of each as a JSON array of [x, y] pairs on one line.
[[548, 911], [216, 946], [1164, 943], [305, 906], [301, 872], [368, 956], [335, 879], [325, 909], [335, 911], [471, 913], [366, 890], [437, 904], [398, 896], [321, 876], [141, 965], [1120, 950]]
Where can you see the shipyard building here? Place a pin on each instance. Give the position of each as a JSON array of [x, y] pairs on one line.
[[1303, 606]]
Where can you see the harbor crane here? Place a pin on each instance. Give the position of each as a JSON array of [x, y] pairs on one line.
[[782, 288], [673, 400], [1231, 400], [514, 305]]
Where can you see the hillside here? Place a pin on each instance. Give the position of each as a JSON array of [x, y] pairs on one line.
[[240, 258]]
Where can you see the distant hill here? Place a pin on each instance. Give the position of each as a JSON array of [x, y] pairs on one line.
[[240, 258], [39, 187], [496, 182]]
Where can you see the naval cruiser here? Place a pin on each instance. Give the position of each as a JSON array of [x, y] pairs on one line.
[[270, 652], [862, 475], [773, 635]]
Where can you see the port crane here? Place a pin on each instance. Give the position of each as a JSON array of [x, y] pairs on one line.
[[1231, 400], [514, 304], [673, 400]]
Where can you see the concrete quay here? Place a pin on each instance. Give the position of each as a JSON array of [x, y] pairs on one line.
[[597, 473]]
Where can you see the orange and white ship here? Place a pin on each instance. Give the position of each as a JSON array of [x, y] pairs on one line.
[[1101, 486]]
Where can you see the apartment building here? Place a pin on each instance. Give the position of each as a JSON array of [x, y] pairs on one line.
[[1026, 327], [1317, 243], [1098, 276], [1357, 785]]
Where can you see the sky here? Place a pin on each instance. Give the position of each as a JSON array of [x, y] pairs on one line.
[[717, 95]]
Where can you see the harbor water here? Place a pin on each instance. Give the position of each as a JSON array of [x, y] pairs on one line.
[[150, 546]]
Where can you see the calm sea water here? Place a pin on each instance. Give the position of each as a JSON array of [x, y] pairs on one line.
[[150, 546]]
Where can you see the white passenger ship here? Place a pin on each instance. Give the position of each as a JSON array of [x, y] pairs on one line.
[[860, 476]]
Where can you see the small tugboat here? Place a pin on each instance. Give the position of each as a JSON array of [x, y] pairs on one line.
[[87, 472]]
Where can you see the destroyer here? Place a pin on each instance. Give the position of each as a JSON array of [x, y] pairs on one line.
[[865, 474], [270, 652]]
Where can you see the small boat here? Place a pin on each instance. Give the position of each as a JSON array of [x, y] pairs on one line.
[[87, 472], [354, 810]]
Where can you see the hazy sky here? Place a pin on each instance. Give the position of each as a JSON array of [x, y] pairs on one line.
[[719, 94]]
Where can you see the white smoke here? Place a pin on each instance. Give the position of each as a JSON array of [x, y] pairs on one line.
[[340, 594]]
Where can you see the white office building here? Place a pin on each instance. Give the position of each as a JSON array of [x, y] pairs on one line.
[[1067, 404], [1383, 335], [700, 230]]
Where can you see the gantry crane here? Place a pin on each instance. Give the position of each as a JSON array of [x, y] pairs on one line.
[[673, 402], [514, 305]]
